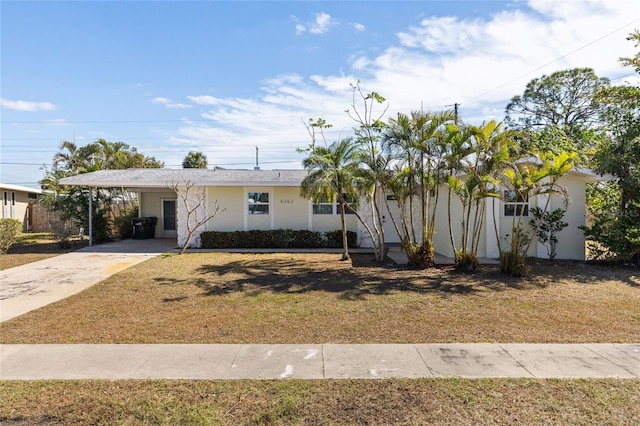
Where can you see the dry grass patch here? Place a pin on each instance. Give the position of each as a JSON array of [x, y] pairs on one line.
[[373, 402], [32, 247], [315, 298]]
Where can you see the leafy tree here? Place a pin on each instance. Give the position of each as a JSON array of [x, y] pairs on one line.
[[194, 160], [559, 112], [373, 173], [563, 98], [548, 224], [635, 60], [615, 206], [72, 203], [616, 218], [331, 176]]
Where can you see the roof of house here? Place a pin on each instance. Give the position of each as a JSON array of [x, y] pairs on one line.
[[163, 178], [11, 187]]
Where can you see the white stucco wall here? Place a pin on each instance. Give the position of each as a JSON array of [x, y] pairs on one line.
[[232, 203], [289, 209], [571, 240]]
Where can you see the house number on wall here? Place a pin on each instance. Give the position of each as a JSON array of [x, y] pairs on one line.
[[286, 201]]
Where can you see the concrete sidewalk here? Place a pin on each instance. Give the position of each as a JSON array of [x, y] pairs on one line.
[[318, 361], [31, 286]]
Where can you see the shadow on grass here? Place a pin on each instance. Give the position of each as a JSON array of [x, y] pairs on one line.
[[353, 282], [364, 276], [584, 272]]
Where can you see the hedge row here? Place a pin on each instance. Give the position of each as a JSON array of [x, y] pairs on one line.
[[278, 238]]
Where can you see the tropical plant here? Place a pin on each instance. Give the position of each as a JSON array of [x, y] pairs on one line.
[[72, 203], [416, 145], [194, 160], [332, 170], [487, 154], [524, 180]]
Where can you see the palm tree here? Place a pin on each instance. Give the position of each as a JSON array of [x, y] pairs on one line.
[[528, 178], [418, 139], [194, 160], [331, 176], [490, 153]]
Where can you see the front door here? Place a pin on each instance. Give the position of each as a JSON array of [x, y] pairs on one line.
[[169, 222], [390, 233]]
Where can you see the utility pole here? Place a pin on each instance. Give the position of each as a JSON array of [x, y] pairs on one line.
[[455, 111], [257, 167]]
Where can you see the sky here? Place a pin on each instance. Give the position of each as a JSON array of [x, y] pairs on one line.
[[225, 78]]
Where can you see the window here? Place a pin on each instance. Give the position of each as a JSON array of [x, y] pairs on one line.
[[258, 202], [515, 204], [323, 207], [326, 207], [32, 196]]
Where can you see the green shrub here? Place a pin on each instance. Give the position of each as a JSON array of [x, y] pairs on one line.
[[278, 238], [123, 222], [334, 239], [9, 231]]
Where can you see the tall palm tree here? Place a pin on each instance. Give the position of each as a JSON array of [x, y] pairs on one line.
[[194, 160], [331, 176]]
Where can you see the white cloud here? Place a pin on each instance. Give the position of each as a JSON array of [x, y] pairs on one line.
[[169, 104], [27, 106], [358, 26], [204, 100], [320, 25], [478, 63]]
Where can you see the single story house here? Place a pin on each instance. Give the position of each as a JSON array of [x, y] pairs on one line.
[[18, 203], [270, 199]]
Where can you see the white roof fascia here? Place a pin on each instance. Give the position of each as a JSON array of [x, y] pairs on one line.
[[12, 187]]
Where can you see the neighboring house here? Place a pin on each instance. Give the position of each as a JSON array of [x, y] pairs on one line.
[[18, 203], [270, 199]]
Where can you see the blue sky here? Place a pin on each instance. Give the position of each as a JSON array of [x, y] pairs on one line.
[[224, 77]]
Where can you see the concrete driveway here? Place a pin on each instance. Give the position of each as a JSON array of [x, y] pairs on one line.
[[31, 286]]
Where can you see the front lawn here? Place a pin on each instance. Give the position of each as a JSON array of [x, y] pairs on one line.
[[315, 298]]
